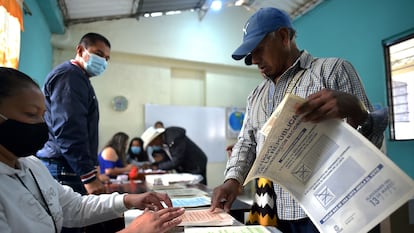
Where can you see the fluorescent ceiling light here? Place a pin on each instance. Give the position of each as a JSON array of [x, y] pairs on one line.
[[172, 12], [216, 5], [156, 14]]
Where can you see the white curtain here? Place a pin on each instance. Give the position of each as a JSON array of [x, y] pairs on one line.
[[10, 26]]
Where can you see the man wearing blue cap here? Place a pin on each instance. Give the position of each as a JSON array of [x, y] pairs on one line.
[[331, 86]]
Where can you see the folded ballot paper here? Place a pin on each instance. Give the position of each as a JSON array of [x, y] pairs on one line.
[[342, 181]]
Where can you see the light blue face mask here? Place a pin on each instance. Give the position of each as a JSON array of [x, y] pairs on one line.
[[96, 65], [135, 149]]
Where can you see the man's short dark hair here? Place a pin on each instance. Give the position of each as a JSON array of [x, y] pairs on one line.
[[91, 38]]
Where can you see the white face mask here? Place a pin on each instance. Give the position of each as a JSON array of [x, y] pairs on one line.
[[96, 65]]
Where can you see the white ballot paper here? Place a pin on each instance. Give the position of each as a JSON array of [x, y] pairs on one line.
[[232, 229], [342, 181]]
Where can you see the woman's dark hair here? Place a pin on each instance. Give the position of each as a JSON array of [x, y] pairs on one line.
[[158, 123], [91, 38], [118, 143], [142, 156], [11, 80]]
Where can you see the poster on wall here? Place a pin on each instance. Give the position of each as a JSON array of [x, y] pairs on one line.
[[234, 121]]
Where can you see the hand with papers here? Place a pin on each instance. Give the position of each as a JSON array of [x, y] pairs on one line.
[[331, 104], [205, 217], [158, 216], [155, 221], [225, 194], [150, 200], [310, 160]]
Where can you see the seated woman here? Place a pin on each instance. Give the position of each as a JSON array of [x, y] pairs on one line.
[[29, 191], [136, 154], [112, 158]]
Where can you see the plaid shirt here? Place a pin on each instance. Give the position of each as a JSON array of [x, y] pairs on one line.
[[316, 74]]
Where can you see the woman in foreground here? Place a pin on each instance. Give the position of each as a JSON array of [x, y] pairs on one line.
[[30, 199]]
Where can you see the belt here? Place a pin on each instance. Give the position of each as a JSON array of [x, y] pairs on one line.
[[61, 165], [52, 160]]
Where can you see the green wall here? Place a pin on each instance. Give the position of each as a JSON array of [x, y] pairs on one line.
[[354, 30], [36, 52]]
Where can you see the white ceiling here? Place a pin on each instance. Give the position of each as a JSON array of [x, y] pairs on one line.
[[81, 11]]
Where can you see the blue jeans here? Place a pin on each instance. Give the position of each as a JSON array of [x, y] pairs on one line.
[[64, 174]]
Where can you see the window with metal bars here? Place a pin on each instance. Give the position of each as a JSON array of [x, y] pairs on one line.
[[399, 60]]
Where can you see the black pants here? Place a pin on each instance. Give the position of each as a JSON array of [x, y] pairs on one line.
[[305, 225]]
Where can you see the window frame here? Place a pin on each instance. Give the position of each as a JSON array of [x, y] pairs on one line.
[[389, 82]]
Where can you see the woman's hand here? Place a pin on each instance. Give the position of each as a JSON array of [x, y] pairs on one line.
[[150, 200], [155, 221]]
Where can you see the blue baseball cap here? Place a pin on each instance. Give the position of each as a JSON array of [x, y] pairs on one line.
[[264, 21]]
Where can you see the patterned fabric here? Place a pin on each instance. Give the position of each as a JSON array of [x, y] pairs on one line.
[[319, 73], [263, 211]]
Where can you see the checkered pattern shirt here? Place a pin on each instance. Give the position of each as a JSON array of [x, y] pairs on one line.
[[316, 74]]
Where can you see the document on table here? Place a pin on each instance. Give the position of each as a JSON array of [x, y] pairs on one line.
[[204, 217], [342, 181], [232, 229], [131, 214], [196, 201], [187, 197], [172, 178], [182, 192]]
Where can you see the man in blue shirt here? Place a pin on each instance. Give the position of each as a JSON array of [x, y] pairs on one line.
[[72, 116]]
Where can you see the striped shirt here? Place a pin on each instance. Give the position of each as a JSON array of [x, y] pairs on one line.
[[315, 75]]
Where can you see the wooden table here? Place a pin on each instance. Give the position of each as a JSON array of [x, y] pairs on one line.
[[238, 208]]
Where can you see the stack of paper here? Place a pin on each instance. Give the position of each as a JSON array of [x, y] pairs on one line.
[[232, 229], [204, 217], [168, 179], [187, 197], [343, 182], [187, 202], [131, 214], [182, 192]]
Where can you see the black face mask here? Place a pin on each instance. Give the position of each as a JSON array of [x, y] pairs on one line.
[[23, 139]]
